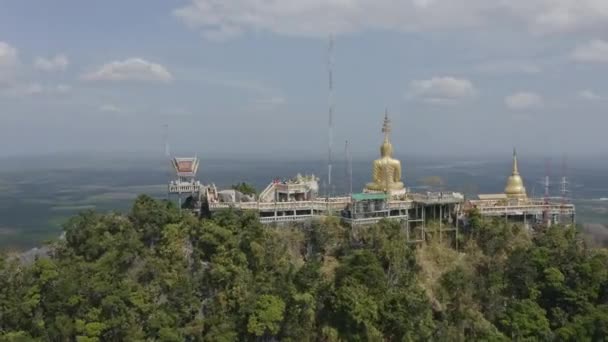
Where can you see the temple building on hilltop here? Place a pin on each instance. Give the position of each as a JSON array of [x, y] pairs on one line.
[[385, 197], [515, 205], [298, 199]]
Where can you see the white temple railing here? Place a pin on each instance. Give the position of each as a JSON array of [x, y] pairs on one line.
[[566, 209], [290, 218], [434, 197], [336, 203], [176, 188]]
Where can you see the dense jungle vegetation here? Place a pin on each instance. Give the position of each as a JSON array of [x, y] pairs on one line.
[[161, 274]]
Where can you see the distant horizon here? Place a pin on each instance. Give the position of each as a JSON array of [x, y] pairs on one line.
[[338, 155], [97, 159]]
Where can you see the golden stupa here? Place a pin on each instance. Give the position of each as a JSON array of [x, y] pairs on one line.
[[515, 184], [386, 171]]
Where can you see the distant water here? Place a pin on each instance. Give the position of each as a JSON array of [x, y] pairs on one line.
[[37, 195]]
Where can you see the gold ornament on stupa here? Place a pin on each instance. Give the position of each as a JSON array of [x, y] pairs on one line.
[[386, 171], [515, 184]]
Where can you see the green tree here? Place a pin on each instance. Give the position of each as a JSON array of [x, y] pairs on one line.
[[159, 274], [524, 319], [267, 316], [245, 188]]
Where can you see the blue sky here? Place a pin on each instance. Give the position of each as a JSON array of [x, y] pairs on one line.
[[249, 76]]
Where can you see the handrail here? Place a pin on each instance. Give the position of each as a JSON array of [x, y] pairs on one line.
[[318, 204], [554, 208], [292, 205], [266, 191], [285, 218], [176, 188]]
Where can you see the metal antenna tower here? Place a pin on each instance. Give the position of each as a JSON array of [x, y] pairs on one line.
[[167, 153], [349, 167], [547, 184], [564, 186], [330, 133], [166, 139]]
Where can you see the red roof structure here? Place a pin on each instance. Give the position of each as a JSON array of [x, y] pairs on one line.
[[185, 167]]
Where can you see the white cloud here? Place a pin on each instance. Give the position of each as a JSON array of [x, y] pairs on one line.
[[523, 101], [588, 94], [595, 51], [319, 17], [551, 16], [59, 62], [9, 63], [9, 56], [132, 69], [441, 90]]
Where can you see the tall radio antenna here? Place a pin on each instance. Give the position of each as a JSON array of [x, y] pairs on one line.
[[166, 140], [330, 133], [547, 184], [349, 167], [167, 153], [564, 184]]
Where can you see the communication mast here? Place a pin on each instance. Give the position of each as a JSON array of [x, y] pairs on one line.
[[330, 133], [564, 187], [167, 151], [547, 184], [349, 167], [166, 139]]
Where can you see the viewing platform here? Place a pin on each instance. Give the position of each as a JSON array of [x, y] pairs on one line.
[[550, 211], [177, 187]]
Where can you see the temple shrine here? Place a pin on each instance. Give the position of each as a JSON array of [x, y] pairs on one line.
[[298, 199], [384, 197]]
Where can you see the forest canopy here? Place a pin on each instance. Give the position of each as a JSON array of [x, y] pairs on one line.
[[158, 273]]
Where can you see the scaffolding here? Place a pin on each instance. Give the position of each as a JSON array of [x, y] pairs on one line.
[[413, 213]]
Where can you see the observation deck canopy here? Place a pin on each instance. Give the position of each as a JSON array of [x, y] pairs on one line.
[[185, 167], [185, 182]]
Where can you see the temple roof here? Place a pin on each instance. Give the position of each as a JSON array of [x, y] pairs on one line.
[[186, 167]]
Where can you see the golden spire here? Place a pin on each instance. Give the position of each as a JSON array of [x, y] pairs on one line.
[[386, 126], [515, 170], [515, 184], [386, 150]]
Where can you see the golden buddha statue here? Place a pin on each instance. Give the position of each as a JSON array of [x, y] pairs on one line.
[[386, 171], [515, 184]]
